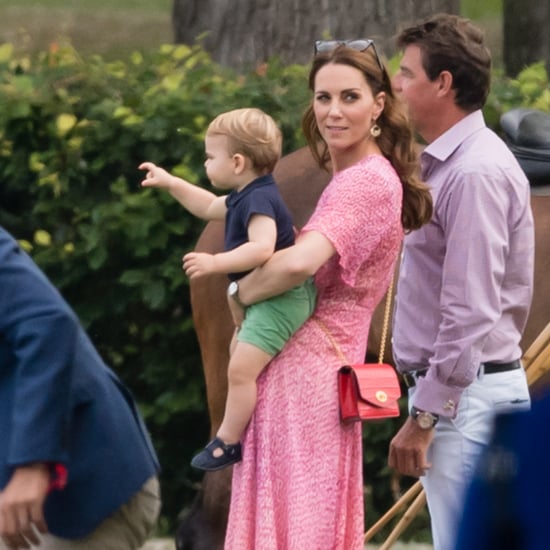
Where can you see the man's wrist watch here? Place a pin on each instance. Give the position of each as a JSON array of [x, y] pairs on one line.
[[233, 292], [425, 420]]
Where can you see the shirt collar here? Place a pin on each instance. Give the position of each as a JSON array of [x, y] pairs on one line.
[[447, 143], [235, 196]]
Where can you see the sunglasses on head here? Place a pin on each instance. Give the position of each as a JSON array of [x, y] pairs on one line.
[[324, 46]]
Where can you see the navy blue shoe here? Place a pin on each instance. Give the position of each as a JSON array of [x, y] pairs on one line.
[[206, 460]]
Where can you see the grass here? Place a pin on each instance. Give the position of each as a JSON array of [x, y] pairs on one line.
[[92, 26]]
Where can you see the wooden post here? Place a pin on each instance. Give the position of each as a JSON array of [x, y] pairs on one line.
[[408, 516], [538, 344], [403, 500]]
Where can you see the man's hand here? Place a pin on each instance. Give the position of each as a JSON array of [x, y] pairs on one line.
[[408, 449], [21, 506]]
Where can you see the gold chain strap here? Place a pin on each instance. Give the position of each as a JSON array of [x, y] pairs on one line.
[[385, 326], [336, 347], [386, 323]]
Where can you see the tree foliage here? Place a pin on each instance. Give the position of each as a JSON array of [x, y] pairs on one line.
[[73, 132]]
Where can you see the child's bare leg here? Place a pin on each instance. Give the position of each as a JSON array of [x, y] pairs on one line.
[[245, 365]]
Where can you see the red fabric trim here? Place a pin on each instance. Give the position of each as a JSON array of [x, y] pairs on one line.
[[59, 475]]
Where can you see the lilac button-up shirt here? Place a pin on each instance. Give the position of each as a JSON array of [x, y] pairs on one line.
[[466, 278]]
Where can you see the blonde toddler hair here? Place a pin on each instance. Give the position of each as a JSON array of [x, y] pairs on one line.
[[252, 133]]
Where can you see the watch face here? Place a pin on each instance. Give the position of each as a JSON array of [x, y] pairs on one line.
[[425, 420], [233, 288]]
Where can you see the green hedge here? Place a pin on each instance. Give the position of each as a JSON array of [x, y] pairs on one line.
[[72, 133]]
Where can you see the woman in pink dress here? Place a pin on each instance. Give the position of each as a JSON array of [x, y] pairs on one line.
[[299, 485]]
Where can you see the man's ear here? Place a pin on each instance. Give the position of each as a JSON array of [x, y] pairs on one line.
[[445, 82], [239, 163]]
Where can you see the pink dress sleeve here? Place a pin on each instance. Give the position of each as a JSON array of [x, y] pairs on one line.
[[360, 206]]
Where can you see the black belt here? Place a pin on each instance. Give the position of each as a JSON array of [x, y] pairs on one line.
[[409, 378], [494, 368]]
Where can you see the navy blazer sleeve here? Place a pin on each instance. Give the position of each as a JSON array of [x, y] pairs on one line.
[[39, 329], [60, 402]]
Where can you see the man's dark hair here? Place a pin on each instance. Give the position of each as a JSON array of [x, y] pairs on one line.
[[452, 43]]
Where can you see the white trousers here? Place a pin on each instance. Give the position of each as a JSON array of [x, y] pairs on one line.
[[458, 443], [127, 529]]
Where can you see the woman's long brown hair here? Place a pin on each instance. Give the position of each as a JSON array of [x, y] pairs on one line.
[[396, 140]]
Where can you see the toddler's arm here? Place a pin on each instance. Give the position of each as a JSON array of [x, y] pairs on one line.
[[262, 235], [198, 201]]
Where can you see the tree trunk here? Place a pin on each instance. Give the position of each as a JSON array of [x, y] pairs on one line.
[[244, 33], [526, 37]]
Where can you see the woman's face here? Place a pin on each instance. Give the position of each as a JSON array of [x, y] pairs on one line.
[[344, 106]]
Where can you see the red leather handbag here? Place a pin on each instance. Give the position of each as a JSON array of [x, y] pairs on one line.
[[368, 392]]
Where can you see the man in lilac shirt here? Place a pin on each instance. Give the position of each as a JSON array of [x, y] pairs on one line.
[[466, 278]]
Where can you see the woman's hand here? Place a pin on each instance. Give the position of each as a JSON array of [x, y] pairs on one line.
[[237, 311]]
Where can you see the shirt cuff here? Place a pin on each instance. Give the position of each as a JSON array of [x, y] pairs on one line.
[[433, 396], [59, 474]]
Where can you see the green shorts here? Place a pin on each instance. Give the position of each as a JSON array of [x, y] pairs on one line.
[[268, 325]]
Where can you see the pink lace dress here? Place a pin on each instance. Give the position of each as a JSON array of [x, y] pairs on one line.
[[299, 486]]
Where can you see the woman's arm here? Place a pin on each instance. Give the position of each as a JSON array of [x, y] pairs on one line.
[[286, 268]]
